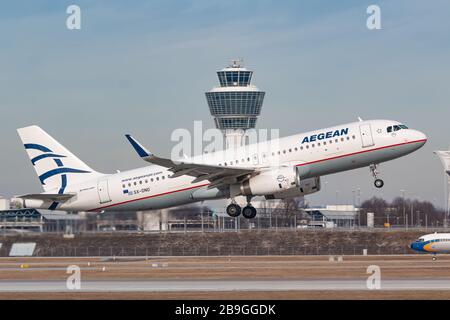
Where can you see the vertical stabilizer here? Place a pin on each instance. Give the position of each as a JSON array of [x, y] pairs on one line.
[[55, 166]]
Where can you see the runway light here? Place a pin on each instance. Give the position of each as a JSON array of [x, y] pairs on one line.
[[24, 266]]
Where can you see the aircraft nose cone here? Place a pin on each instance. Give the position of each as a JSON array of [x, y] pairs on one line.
[[420, 136], [417, 246]]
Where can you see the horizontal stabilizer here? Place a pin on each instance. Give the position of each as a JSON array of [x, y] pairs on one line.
[[48, 196]]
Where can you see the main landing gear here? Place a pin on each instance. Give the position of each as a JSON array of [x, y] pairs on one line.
[[234, 210], [378, 182]]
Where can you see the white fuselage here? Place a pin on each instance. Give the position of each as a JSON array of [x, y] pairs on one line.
[[314, 153]]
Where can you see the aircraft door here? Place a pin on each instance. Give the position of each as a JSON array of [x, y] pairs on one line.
[[103, 191], [366, 135]]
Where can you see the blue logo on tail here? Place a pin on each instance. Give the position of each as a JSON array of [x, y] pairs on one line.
[[60, 170]]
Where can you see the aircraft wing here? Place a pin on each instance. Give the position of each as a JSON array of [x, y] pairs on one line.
[[47, 196], [217, 175]]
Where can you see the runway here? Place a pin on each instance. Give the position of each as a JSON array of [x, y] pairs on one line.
[[221, 285], [266, 277]]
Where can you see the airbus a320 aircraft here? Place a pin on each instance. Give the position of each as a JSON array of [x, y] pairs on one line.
[[277, 169]]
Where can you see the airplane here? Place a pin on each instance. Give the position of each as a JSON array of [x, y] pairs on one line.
[[432, 243], [276, 169]]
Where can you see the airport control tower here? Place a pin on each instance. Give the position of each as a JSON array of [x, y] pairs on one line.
[[236, 104]]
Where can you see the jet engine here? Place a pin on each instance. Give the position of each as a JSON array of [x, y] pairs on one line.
[[270, 182], [307, 186]]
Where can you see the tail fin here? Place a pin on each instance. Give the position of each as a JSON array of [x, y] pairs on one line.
[[55, 166]]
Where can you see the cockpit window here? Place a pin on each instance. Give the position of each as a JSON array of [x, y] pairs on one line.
[[420, 240], [396, 128]]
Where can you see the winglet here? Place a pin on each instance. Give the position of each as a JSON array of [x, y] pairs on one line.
[[141, 150]]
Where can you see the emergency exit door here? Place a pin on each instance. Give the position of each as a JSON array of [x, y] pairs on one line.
[[366, 135], [103, 191]]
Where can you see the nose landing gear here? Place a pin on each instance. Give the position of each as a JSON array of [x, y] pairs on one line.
[[378, 182]]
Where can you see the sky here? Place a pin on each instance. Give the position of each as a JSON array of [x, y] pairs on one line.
[[142, 67]]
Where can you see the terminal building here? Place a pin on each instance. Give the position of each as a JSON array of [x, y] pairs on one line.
[[235, 104], [331, 216]]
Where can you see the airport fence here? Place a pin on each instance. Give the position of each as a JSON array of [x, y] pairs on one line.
[[245, 250]]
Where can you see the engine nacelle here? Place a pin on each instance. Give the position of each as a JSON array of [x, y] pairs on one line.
[[270, 182], [306, 186]]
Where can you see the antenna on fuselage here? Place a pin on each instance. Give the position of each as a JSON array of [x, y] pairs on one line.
[[360, 120]]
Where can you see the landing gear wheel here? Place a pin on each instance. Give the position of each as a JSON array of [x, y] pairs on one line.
[[233, 210], [249, 212], [379, 183]]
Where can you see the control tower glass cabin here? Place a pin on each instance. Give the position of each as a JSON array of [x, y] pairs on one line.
[[236, 104]]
